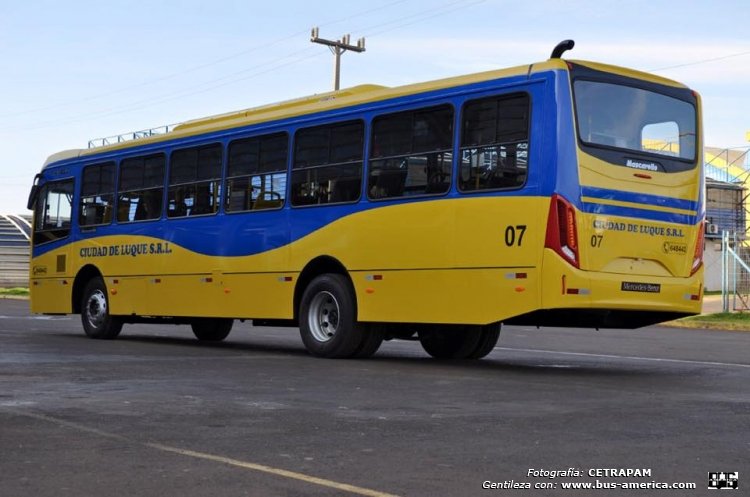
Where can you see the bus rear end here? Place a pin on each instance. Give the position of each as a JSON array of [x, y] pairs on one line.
[[624, 241]]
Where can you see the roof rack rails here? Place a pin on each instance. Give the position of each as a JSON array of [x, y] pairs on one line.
[[134, 135]]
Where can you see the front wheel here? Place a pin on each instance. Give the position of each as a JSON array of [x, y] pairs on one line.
[[211, 329], [97, 322], [328, 318]]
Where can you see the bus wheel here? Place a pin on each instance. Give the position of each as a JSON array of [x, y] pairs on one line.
[[327, 319], [97, 322], [487, 340], [450, 342], [373, 338], [211, 329]]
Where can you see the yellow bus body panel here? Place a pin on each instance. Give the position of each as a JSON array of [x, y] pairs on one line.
[[433, 267], [411, 262], [603, 290]]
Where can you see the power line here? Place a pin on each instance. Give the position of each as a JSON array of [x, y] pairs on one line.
[[227, 80], [200, 66], [157, 80], [141, 104], [714, 59], [421, 16]]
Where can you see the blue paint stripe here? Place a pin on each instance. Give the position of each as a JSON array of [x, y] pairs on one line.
[[640, 198], [666, 217], [257, 232]]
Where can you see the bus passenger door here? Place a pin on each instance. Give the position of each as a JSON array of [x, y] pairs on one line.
[[50, 278]]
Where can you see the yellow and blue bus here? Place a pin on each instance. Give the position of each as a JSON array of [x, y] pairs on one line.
[[559, 193]]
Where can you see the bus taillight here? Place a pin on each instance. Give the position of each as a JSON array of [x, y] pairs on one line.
[[570, 227], [562, 235], [698, 255]]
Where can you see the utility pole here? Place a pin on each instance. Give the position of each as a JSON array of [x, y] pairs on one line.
[[338, 47]]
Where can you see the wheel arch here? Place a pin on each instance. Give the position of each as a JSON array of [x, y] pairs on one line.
[[85, 274], [320, 265]]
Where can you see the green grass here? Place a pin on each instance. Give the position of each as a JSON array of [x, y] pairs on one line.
[[733, 317], [737, 321], [17, 292]]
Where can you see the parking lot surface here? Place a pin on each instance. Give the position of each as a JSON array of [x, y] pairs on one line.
[[155, 412]]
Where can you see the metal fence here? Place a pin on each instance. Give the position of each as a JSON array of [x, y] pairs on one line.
[[735, 273]]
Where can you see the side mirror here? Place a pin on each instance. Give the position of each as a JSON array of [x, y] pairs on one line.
[[34, 193]]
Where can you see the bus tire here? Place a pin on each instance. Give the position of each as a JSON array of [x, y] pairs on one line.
[[211, 329], [327, 318], [489, 334], [450, 341], [97, 322], [374, 335]]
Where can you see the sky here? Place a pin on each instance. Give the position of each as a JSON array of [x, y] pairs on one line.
[[79, 70]]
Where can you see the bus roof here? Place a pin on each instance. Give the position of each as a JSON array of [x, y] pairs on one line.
[[347, 97]]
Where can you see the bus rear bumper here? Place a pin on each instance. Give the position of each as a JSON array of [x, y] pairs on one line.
[[572, 297]]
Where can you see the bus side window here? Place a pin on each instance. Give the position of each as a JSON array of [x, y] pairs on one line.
[[256, 173], [494, 143], [97, 194], [141, 188], [194, 181], [411, 153], [327, 166]]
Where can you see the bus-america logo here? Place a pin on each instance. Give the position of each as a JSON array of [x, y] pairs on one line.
[[647, 166], [629, 286], [724, 480]]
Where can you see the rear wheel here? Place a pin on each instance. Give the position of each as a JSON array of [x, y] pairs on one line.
[[327, 318], [95, 317], [211, 329], [487, 340], [451, 341]]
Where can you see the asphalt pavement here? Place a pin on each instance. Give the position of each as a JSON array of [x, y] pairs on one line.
[[155, 412]]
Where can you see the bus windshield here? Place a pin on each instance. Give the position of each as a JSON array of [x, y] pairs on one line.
[[634, 119]]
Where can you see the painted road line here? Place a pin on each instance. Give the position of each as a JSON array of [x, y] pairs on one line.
[[635, 358], [345, 487], [313, 480]]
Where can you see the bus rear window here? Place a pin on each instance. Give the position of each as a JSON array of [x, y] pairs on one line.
[[635, 119]]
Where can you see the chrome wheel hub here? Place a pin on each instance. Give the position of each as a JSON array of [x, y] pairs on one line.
[[323, 317], [96, 309]]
